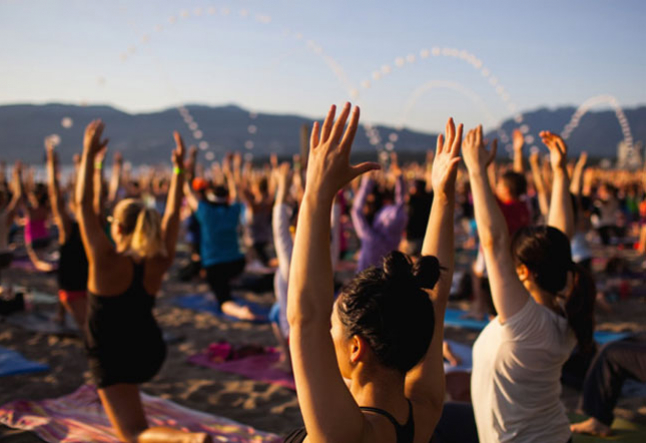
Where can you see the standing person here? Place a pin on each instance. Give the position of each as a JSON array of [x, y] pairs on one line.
[[518, 357], [387, 323], [222, 258], [73, 263], [124, 343], [381, 224], [36, 233]]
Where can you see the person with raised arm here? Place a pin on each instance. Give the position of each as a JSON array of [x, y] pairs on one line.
[[7, 215], [387, 323], [123, 341], [517, 359], [73, 264], [221, 256], [379, 216]]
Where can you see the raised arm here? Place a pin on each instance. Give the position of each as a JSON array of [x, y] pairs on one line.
[[61, 218], [17, 196], [99, 196], [576, 184], [170, 221], [508, 293], [329, 410], [359, 221], [230, 179], [97, 245], [425, 382], [539, 184], [561, 215], [115, 178], [519, 142]]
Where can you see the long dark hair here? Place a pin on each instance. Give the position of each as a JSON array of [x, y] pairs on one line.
[[546, 253], [389, 308]]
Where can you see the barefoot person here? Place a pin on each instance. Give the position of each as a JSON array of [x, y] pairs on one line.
[[124, 342], [517, 359], [387, 323], [222, 258]]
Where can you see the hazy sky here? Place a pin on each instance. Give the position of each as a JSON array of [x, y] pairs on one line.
[[290, 56]]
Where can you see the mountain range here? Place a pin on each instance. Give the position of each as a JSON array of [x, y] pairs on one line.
[[147, 137]]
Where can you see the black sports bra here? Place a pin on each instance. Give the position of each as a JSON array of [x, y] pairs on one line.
[[405, 433]]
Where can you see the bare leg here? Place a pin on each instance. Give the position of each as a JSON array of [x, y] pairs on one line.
[[591, 426], [40, 265], [77, 308], [122, 404], [233, 309]]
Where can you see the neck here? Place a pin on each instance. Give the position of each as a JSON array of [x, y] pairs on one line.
[[384, 390], [545, 298]]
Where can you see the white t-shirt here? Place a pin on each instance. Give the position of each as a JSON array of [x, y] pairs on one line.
[[515, 383]]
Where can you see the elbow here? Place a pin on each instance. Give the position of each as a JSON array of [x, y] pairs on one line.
[[495, 241]]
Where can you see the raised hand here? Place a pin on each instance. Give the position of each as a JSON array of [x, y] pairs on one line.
[[394, 165], [92, 143], [518, 140], [179, 151], [474, 152], [557, 147], [328, 168], [445, 165]]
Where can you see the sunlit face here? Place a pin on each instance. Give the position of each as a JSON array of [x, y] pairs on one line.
[[341, 343]]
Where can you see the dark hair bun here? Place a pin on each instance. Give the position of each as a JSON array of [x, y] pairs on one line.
[[399, 268], [427, 271]]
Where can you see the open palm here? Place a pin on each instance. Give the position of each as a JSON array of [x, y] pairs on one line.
[[445, 165]]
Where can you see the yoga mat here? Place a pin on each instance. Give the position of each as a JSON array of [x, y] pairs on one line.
[[259, 367], [463, 352], [79, 417], [13, 363], [623, 431], [455, 318], [207, 303], [36, 321]]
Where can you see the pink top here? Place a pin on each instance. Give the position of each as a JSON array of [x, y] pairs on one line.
[[35, 230]]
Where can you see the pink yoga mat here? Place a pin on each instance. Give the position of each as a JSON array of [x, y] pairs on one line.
[[261, 367], [79, 417]]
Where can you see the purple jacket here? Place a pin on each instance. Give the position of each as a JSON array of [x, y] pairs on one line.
[[384, 234]]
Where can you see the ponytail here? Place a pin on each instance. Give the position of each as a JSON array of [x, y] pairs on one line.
[[146, 240], [579, 307]]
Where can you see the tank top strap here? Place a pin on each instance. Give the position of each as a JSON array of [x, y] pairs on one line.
[[406, 432]]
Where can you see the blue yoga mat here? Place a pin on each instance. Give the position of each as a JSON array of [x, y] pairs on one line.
[[207, 303], [12, 363], [453, 317]]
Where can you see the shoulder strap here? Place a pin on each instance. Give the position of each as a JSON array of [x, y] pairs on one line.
[[399, 429]]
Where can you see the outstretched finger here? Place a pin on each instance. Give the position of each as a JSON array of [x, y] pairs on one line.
[[450, 131], [337, 129], [455, 147], [348, 137], [314, 137], [362, 168], [440, 144], [478, 135], [327, 124]]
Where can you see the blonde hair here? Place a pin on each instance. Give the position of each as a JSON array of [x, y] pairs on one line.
[[142, 228]]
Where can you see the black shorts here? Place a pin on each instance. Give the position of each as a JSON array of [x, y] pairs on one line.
[[40, 243]]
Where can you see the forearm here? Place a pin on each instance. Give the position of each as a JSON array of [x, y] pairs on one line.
[[53, 190], [84, 182], [492, 227], [539, 185], [98, 190], [519, 164], [311, 285], [439, 242], [561, 215], [115, 182], [170, 226]]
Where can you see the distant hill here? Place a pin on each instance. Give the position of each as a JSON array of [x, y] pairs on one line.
[[146, 138]]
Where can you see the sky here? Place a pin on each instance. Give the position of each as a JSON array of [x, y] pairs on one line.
[[410, 63]]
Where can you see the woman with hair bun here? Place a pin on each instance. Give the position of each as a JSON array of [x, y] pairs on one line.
[[386, 325], [544, 304], [123, 341]]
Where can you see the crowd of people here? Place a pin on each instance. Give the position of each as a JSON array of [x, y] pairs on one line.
[[368, 353]]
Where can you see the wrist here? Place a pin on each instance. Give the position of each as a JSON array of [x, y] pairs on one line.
[[98, 164], [177, 170]]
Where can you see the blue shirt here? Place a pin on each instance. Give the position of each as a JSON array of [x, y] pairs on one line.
[[219, 232]]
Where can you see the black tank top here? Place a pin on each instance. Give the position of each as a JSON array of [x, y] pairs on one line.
[[73, 264], [405, 433], [122, 321]]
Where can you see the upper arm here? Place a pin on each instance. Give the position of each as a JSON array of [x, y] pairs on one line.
[[97, 245], [329, 411], [508, 293]]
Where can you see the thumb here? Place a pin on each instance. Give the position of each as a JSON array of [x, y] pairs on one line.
[[362, 168]]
